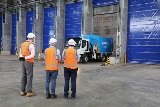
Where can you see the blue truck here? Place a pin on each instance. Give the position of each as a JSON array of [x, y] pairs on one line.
[[93, 47]]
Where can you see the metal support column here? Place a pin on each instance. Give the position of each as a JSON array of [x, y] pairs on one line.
[[59, 24], [122, 32]]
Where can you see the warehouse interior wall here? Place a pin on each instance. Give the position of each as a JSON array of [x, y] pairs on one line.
[[60, 24], [73, 20], [48, 28], [69, 20], [122, 32], [105, 23], [87, 17], [21, 28], [0, 32], [14, 35], [143, 42], [105, 19], [6, 33], [134, 22], [38, 27]]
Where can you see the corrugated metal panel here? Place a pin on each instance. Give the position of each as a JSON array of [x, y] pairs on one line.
[[0, 32], [30, 16], [73, 20], [97, 3], [13, 41], [48, 31], [143, 44]]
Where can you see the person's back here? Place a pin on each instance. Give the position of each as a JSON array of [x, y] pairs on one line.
[[52, 58], [70, 58], [27, 53]]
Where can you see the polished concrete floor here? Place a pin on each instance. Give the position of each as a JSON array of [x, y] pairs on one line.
[[121, 85]]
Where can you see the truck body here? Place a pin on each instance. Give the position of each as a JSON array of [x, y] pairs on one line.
[[93, 47]]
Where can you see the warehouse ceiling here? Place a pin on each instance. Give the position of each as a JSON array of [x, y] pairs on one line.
[[14, 5], [6, 4]]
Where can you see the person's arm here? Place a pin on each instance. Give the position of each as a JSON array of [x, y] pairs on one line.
[[59, 55], [63, 55], [20, 54], [32, 50], [44, 57], [44, 54], [77, 55], [21, 58]]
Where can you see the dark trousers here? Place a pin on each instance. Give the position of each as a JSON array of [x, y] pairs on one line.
[[27, 76], [70, 73], [51, 75]]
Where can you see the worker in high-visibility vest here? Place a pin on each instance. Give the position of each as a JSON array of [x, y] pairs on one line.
[[27, 53], [70, 59], [52, 58]]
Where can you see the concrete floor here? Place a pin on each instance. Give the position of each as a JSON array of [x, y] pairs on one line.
[[122, 85]]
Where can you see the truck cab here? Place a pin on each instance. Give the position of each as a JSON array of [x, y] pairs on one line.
[[82, 46], [92, 47]]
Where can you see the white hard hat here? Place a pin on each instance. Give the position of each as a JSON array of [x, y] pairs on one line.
[[30, 35], [71, 42], [52, 40]]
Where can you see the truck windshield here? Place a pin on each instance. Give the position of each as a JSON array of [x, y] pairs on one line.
[[77, 40]]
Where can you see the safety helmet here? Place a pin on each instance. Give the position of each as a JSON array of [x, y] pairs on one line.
[[52, 40], [30, 35], [71, 42]]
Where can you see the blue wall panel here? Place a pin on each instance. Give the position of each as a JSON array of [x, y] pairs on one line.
[[143, 43], [13, 41], [97, 3], [73, 20], [30, 16], [48, 29], [0, 31]]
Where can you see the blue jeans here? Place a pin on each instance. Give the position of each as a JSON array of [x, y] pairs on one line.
[[51, 75], [70, 73]]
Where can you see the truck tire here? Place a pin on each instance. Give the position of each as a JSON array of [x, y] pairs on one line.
[[103, 58], [85, 58]]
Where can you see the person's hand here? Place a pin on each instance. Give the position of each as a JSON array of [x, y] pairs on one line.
[[22, 58]]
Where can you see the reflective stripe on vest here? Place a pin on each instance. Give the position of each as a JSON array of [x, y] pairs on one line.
[[51, 64], [66, 64]]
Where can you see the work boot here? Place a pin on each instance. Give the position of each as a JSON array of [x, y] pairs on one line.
[[48, 95], [73, 98], [66, 97], [22, 93], [30, 94], [53, 96]]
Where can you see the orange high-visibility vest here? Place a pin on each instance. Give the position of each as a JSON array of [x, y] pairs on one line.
[[70, 59], [50, 59], [25, 51]]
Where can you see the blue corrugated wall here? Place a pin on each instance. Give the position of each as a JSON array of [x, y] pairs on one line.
[[143, 43], [13, 41], [0, 31], [30, 16], [97, 3], [73, 20], [48, 29]]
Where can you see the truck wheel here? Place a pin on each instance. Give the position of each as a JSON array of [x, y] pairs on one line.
[[103, 58], [85, 59]]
